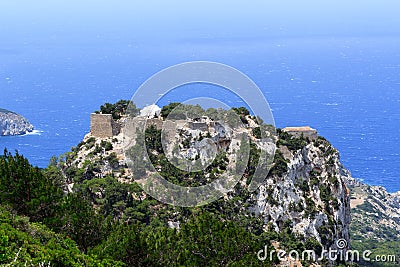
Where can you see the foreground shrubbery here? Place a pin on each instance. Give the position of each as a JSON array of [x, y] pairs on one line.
[[24, 243]]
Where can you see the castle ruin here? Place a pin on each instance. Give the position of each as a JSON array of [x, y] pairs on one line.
[[305, 131], [103, 125]]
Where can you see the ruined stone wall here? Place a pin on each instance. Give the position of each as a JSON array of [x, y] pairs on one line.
[[116, 127], [202, 126], [101, 125], [305, 131], [156, 122], [312, 135]]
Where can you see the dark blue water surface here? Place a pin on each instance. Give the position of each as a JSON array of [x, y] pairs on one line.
[[348, 89]]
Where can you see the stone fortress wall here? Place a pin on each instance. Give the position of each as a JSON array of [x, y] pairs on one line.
[[103, 125], [305, 131]]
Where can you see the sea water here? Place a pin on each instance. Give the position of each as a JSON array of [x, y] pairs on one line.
[[347, 88]]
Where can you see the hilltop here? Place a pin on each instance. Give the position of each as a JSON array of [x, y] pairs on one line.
[[87, 206], [304, 200]]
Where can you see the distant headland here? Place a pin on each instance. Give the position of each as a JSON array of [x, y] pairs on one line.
[[12, 123]]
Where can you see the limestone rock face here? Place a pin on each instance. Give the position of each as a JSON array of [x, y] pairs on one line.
[[311, 194], [305, 190], [13, 124]]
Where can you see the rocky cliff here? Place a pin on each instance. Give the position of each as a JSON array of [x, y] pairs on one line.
[[310, 193], [304, 202], [13, 124], [304, 194]]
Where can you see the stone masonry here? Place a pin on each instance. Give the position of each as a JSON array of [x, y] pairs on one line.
[[305, 131], [103, 125]]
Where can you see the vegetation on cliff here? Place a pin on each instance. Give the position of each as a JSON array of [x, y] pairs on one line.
[[87, 199], [67, 230], [118, 109]]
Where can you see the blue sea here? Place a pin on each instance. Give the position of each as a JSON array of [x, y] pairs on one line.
[[347, 88]]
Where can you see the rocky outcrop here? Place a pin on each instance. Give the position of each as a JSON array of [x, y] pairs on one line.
[[311, 194], [375, 212], [13, 124], [305, 190]]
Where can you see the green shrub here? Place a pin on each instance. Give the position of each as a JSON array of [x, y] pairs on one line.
[[118, 109], [257, 132], [106, 145], [280, 166]]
